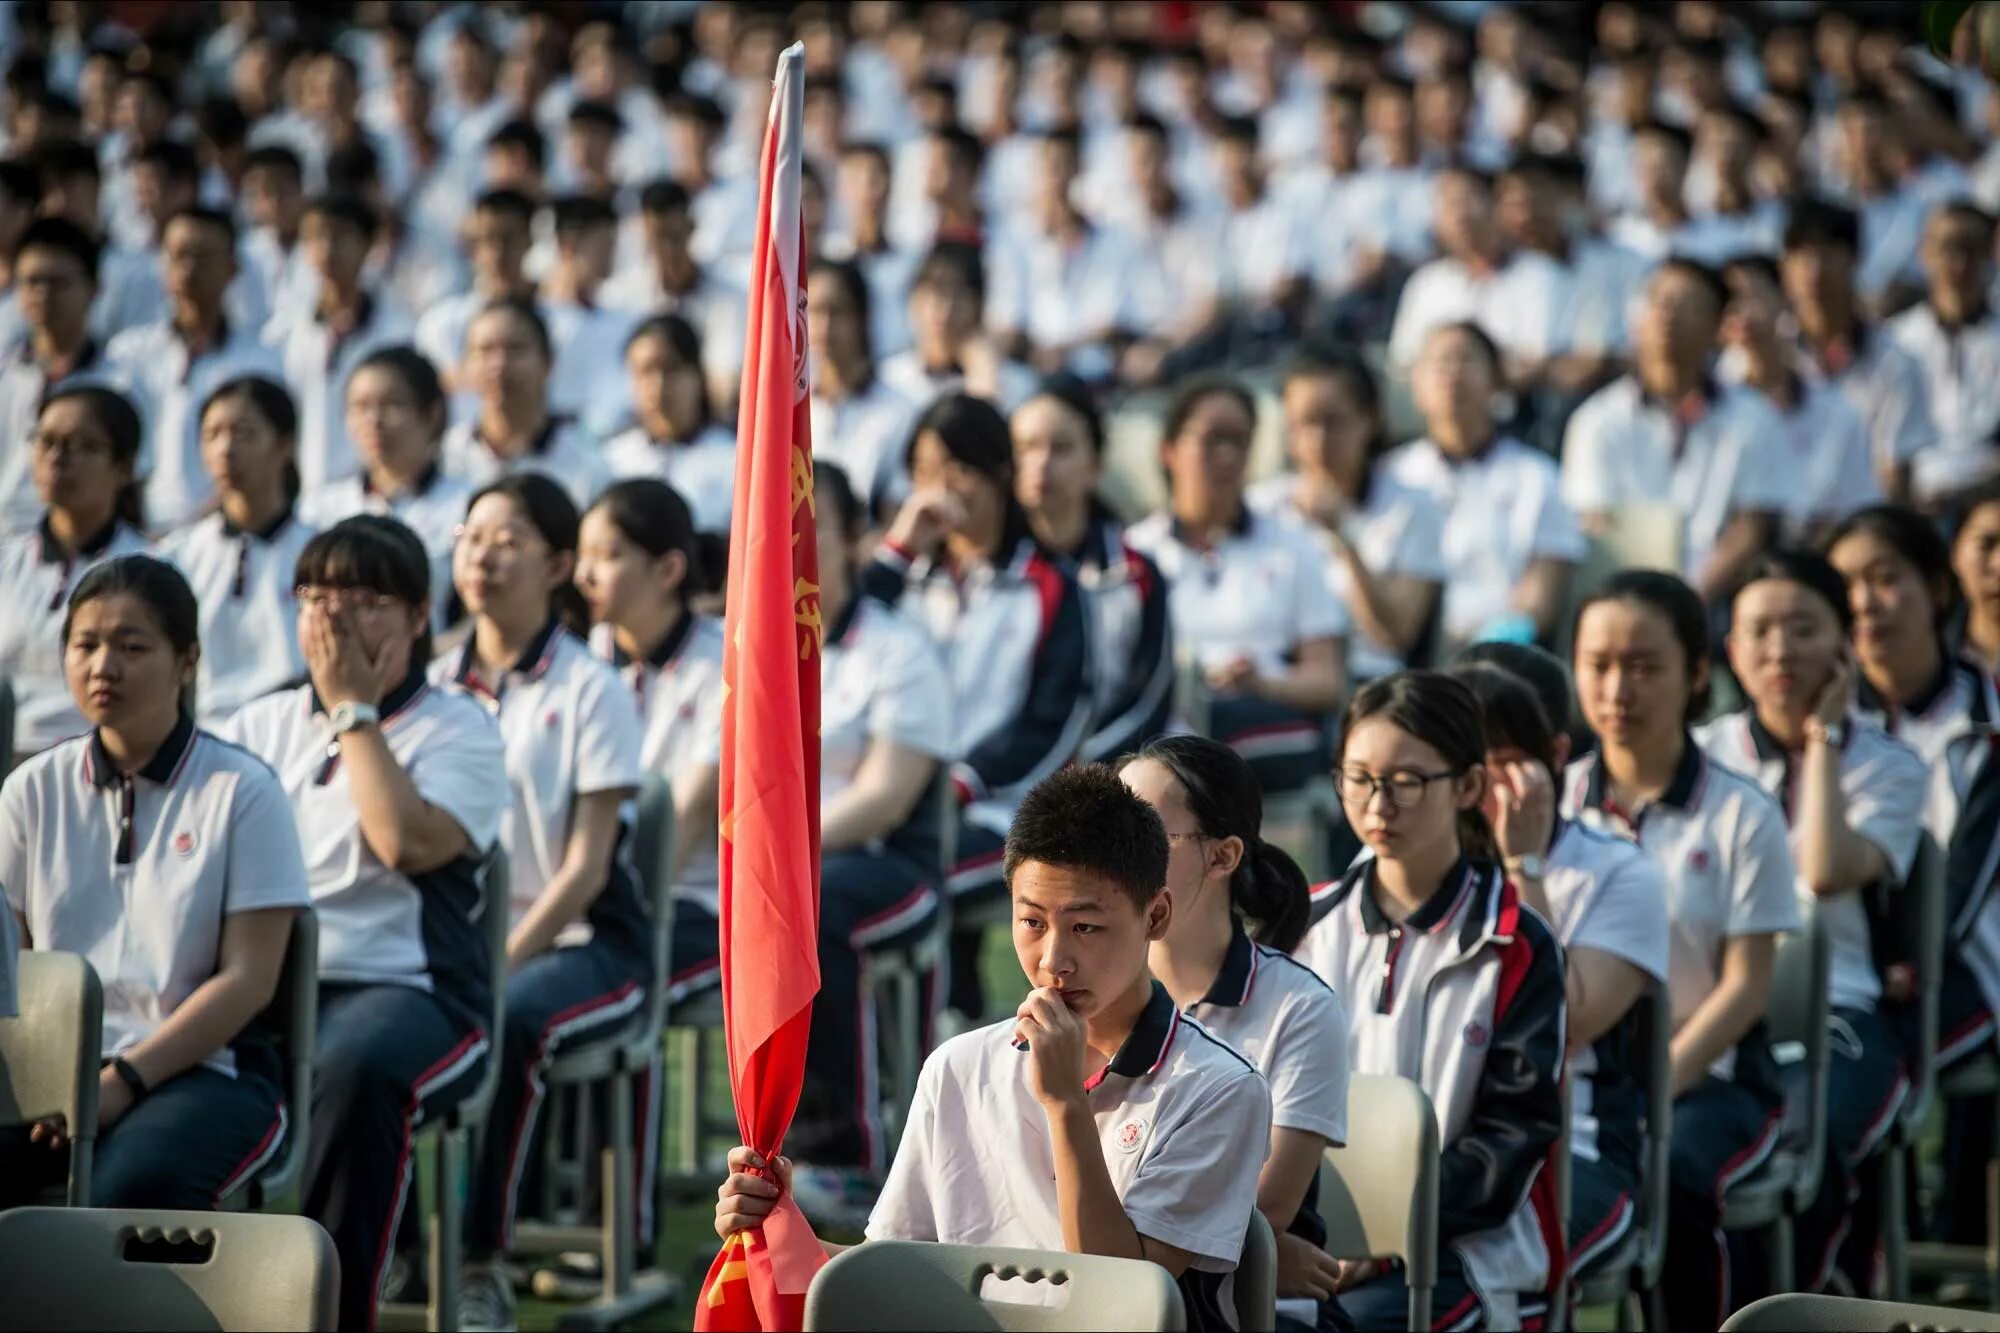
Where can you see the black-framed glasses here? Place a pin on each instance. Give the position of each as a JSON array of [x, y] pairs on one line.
[[1403, 789]]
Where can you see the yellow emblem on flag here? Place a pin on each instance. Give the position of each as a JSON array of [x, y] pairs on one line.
[[805, 598], [732, 1270]]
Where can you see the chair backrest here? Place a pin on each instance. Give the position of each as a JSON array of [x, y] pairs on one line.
[[293, 1015], [49, 1053], [1378, 1196], [1798, 1013], [896, 1285], [653, 860], [91, 1268], [1923, 902], [1257, 1277], [495, 907], [1796, 1312]]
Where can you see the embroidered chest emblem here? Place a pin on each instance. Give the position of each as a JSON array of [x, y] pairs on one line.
[[1130, 1135], [183, 844], [1475, 1034], [1698, 860]]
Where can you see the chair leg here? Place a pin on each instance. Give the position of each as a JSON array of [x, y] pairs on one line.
[[79, 1172], [1782, 1265], [688, 1123], [618, 1203], [447, 1231], [1895, 1222]]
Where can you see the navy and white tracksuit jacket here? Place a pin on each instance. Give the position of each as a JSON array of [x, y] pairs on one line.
[[1131, 641]]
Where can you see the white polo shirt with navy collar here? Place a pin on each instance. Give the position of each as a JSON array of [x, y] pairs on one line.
[[249, 618], [316, 366], [1961, 371], [137, 872], [24, 387], [378, 926], [1259, 592], [434, 508], [882, 678], [570, 730], [563, 452], [1832, 465], [1721, 844], [1886, 386], [1183, 1120], [1502, 512], [1520, 303], [1718, 454], [702, 471], [37, 577], [170, 385], [1882, 785]]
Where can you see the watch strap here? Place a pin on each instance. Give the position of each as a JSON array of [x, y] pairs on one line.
[[130, 1077]]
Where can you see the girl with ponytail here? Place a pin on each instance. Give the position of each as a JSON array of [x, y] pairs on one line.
[[1240, 908], [1452, 982]]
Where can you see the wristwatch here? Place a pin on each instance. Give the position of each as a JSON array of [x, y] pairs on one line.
[[1834, 733], [1527, 867], [352, 717]]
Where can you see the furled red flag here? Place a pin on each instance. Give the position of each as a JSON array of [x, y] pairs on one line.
[[770, 739]]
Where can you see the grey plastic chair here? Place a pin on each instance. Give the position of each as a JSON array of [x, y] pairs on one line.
[[1923, 899], [1256, 1284], [1629, 1276], [294, 1015], [50, 1053], [902, 1286], [450, 1135], [143, 1269], [1796, 1312], [1788, 1182], [1378, 1196], [610, 1068]]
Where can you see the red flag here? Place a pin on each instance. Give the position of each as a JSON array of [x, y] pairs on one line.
[[770, 739]]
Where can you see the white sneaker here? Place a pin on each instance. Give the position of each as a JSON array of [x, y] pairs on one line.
[[485, 1301]]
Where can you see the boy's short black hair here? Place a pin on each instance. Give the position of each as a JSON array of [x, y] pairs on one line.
[[275, 157], [63, 236], [1084, 817], [1817, 222], [349, 209]]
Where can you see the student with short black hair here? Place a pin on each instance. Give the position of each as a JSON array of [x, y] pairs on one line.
[[1642, 677], [241, 558], [1458, 985], [1241, 907], [168, 859], [1954, 336], [508, 356], [676, 437], [391, 784], [950, 351], [1098, 1118], [1854, 798], [54, 272], [497, 236], [84, 448]]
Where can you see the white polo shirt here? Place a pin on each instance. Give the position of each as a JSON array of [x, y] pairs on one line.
[[868, 436], [588, 379], [1502, 512], [1397, 530], [137, 871], [570, 729], [378, 926], [881, 678], [36, 579], [1184, 1122], [1721, 844], [1886, 386], [1826, 451], [1717, 455], [702, 471], [1604, 894], [1519, 304], [906, 373], [24, 387], [564, 453], [1882, 784], [249, 619], [434, 509], [170, 387], [1961, 370], [678, 693], [1064, 295], [1259, 593], [316, 366]]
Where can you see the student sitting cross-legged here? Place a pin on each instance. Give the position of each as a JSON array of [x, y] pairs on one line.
[[1098, 1119]]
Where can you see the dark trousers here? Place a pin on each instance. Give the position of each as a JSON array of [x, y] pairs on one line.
[[868, 900], [1865, 1090], [194, 1140], [1284, 747], [388, 1058], [1382, 1304], [1603, 1207], [977, 880], [565, 999], [1723, 1133], [1966, 1029]]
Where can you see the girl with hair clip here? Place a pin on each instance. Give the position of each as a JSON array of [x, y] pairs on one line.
[[1457, 985], [962, 560], [1607, 903], [1642, 672], [858, 422], [168, 859], [84, 450], [1058, 459], [580, 947], [676, 437], [396, 407], [507, 361], [1383, 540], [392, 787], [1249, 593], [240, 559], [1898, 573], [1240, 908], [1855, 800]]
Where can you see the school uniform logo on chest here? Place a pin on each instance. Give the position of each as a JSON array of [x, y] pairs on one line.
[[1699, 860], [1130, 1135], [183, 844], [1476, 1035]]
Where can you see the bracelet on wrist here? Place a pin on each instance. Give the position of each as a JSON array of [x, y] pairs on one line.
[[127, 1074]]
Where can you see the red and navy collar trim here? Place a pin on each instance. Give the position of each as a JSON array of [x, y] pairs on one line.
[[537, 447], [1682, 793], [161, 770], [425, 480], [1146, 1046], [534, 661], [1437, 911], [1238, 974], [268, 533], [1924, 700], [394, 703], [52, 552], [1240, 528], [666, 650]]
